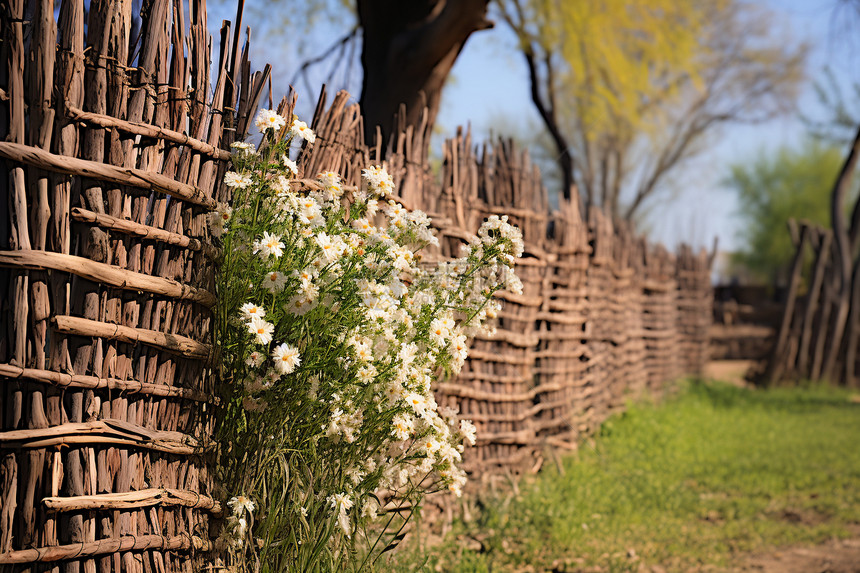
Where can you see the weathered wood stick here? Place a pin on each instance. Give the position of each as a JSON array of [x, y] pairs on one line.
[[100, 432], [455, 389], [512, 338], [104, 172], [105, 546], [777, 364], [143, 231], [495, 357], [175, 343], [105, 274], [62, 380], [132, 500], [147, 130]]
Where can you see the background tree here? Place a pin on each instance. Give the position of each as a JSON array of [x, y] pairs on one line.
[[407, 49], [630, 90], [773, 188], [842, 113], [407, 54]]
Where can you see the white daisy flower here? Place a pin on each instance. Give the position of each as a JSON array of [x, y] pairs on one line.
[[467, 428], [417, 402], [328, 178], [402, 426], [269, 119], [269, 245], [242, 146], [236, 180], [341, 502], [240, 504], [439, 333], [261, 330], [250, 310], [290, 165], [301, 129], [332, 247], [286, 358], [274, 281]]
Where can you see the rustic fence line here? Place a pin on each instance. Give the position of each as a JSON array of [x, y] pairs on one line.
[[112, 151], [603, 316]]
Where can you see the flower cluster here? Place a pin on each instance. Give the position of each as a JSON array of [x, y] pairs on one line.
[[332, 332]]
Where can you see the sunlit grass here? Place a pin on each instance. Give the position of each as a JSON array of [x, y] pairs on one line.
[[716, 471]]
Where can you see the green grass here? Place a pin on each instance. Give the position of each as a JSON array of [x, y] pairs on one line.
[[706, 475]]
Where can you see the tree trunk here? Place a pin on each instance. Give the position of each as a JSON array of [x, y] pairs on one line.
[[408, 51], [842, 240]]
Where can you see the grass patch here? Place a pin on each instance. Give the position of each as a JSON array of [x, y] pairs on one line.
[[715, 471]]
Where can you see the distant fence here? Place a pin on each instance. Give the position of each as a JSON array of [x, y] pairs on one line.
[[112, 150]]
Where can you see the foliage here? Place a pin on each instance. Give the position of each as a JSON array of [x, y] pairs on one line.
[[331, 333], [630, 90], [771, 189], [686, 485]]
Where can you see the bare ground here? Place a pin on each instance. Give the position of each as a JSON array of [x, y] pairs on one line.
[[835, 556]]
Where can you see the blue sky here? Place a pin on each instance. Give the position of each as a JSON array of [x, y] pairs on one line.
[[490, 81]]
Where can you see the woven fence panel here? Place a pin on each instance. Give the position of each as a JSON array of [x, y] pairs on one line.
[[113, 144], [695, 308], [603, 316], [562, 357], [660, 318], [495, 388], [630, 350]]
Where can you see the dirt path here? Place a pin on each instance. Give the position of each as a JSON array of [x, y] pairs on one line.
[[836, 556]]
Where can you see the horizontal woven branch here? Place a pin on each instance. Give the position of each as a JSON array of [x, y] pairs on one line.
[[106, 274], [512, 338], [659, 286], [133, 500], [147, 130], [62, 380], [560, 318], [95, 170], [100, 432], [475, 354], [582, 249], [520, 299], [499, 378], [143, 231], [105, 546], [515, 212], [520, 456], [520, 437], [174, 343], [454, 389]]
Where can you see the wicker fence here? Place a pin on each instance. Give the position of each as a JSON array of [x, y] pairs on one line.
[[603, 316], [111, 149]]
